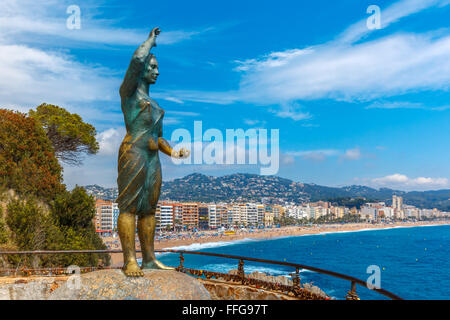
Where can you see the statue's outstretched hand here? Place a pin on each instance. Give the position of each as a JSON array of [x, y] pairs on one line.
[[181, 154]]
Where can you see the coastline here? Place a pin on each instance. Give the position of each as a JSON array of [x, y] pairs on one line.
[[266, 234]]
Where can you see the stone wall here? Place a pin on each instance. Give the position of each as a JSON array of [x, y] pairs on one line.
[[105, 285]]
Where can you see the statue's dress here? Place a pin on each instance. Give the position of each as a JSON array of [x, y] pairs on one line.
[[139, 179]]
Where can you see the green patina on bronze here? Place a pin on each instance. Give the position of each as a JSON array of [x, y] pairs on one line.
[[139, 179]]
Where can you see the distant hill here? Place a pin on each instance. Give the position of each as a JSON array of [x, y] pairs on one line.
[[99, 192], [273, 189]]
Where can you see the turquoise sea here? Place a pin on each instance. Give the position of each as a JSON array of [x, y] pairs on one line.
[[414, 261]]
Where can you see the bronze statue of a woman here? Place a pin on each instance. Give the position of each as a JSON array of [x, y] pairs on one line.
[[139, 177]]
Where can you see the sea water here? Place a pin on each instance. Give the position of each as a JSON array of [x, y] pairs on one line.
[[414, 262]]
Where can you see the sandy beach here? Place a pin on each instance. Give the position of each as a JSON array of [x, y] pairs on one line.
[[174, 241]]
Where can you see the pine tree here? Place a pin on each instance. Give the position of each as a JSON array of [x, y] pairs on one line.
[[70, 136]]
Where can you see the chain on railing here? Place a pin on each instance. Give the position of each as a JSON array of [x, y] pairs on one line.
[[295, 289], [351, 295]]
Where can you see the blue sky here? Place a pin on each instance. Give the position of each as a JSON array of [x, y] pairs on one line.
[[353, 105]]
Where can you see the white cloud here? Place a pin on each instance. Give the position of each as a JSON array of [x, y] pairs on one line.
[[292, 111], [389, 15], [315, 155], [110, 140], [323, 154], [176, 117], [171, 37], [26, 18], [395, 64], [170, 121], [441, 108], [185, 113], [296, 116], [405, 105], [395, 105], [287, 159], [251, 122], [31, 76], [214, 97], [172, 99], [274, 59], [352, 154], [345, 70], [404, 182], [255, 123]]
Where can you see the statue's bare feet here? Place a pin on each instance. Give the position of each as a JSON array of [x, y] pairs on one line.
[[131, 269], [155, 264]]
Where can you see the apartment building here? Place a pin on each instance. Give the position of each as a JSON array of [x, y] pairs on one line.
[[203, 216], [190, 216], [106, 215], [164, 217]]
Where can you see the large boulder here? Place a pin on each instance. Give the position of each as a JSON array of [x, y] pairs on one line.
[[111, 285]]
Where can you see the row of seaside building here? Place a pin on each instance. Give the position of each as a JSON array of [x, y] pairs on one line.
[[398, 210], [193, 216], [203, 216]]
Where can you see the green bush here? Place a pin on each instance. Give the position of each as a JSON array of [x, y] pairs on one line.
[[3, 232], [74, 213], [32, 228]]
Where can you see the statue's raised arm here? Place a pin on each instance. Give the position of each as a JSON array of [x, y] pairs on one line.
[[130, 81]]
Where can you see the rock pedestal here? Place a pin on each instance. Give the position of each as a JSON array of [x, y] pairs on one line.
[[112, 285]]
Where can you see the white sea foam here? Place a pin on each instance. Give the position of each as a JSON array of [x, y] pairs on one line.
[[427, 225], [226, 267], [199, 246], [207, 245]]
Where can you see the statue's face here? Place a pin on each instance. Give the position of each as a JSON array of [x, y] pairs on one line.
[[151, 71]]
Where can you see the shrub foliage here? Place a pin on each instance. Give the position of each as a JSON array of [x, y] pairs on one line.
[[44, 216], [27, 161]]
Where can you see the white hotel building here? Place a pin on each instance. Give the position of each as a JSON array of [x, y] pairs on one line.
[[164, 216]]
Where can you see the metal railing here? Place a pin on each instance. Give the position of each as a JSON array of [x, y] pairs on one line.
[[295, 289]]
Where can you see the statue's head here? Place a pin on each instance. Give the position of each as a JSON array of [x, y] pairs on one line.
[[150, 73]]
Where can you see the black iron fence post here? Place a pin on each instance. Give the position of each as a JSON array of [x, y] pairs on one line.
[[241, 272], [180, 267], [296, 279], [352, 295]]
